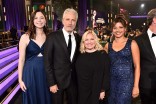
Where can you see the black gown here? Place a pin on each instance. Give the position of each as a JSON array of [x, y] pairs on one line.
[[93, 76]]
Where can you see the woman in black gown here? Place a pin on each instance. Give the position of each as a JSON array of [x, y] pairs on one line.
[[92, 68]]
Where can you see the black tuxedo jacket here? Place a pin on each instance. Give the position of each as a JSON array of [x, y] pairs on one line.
[[147, 62], [57, 61]]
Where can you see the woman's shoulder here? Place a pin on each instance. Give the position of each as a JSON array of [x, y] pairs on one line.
[[130, 41], [24, 37], [134, 43]]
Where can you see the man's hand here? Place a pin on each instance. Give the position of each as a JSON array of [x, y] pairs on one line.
[[54, 89]]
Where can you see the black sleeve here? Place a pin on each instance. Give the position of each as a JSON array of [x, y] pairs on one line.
[[79, 37], [48, 60], [106, 76]]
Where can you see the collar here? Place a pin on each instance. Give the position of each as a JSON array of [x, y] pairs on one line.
[[149, 33], [66, 34]]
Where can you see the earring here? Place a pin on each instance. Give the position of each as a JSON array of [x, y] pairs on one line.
[[45, 25]]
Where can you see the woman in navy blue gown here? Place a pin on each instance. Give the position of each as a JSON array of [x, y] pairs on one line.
[[123, 53], [32, 78]]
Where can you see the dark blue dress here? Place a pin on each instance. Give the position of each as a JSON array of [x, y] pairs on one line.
[[37, 91], [121, 74]]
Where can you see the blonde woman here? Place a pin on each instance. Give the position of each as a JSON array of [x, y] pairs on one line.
[[92, 68]]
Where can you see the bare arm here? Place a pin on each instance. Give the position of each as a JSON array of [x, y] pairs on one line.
[[22, 48], [136, 62]]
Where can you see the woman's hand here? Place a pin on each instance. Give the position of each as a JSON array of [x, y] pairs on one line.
[[22, 85], [135, 92], [102, 95]]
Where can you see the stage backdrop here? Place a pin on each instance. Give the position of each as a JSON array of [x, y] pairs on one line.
[[15, 14], [82, 15]]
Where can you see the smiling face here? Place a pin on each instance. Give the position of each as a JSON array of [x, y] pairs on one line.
[[89, 42], [39, 20], [119, 30], [69, 21]]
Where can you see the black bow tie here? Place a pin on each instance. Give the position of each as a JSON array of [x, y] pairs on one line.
[[153, 35]]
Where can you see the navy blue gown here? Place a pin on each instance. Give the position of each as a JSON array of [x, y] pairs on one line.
[[121, 74], [37, 91]]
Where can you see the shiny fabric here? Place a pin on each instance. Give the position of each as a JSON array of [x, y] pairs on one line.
[[37, 91], [121, 74]]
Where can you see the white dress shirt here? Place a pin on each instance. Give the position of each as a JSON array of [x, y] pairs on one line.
[[152, 40], [66, 36]]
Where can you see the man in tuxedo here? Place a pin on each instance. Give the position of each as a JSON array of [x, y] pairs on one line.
[[147, 46], [101, 36], [60, 51]]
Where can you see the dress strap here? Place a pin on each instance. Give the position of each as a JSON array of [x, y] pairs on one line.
[[129, 41], [109, 46]]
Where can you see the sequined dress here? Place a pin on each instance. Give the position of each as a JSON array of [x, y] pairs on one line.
[[121, 74]]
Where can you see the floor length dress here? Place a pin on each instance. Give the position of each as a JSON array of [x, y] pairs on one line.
[[37, 91], [121, 74], [93, 76]]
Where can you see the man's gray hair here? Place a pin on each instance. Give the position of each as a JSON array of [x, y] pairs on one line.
[[71, 10]]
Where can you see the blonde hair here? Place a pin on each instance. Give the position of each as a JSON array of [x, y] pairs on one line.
[[97, 46]]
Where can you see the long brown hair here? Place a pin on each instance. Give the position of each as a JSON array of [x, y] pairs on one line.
[[32, 28]]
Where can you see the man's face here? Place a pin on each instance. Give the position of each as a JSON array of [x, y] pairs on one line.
[[69, 22]]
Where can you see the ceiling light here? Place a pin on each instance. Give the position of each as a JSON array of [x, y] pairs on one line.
[[142, 5]]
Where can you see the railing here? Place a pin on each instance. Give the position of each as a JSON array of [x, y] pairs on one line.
[[8, 73]]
